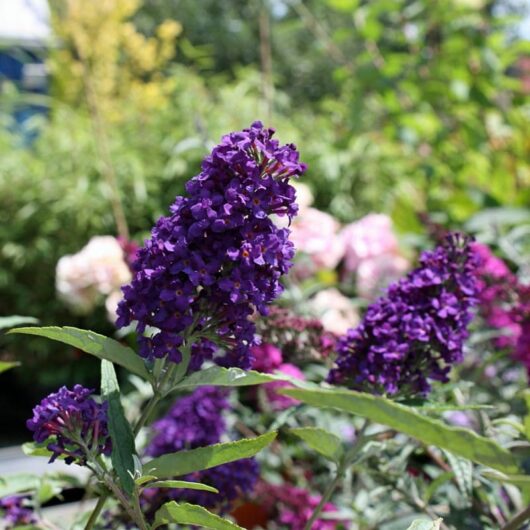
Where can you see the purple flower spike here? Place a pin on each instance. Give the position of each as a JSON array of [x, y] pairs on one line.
[[14, 511], [197, 420], [76, 424], [415, 332], [218, 256], [193, 421]]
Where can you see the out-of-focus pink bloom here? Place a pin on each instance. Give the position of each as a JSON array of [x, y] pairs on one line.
[[490, 265], [372, 252], [335, 311], [130, 249], [96, 270], [316, 234], [369, 237], [460, 418], [278, 401], [377, 273], [292, 507], [267, 358]]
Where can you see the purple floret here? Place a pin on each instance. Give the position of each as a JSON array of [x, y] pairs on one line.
[[415, 332], [218, 256], [193, 421], [73, 423], [14, 511]]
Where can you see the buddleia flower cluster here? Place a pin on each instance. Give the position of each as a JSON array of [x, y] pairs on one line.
[[219, 255], [417, 330], [72, 424], [198, 420], [15, 510]]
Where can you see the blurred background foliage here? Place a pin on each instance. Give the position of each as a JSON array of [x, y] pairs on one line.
[[398, 106]]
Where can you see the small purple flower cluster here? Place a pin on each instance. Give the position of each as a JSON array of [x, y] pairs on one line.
[[74, 421], [193, 421], [219, 255], [415, 332], [14, 511], [196, 421]]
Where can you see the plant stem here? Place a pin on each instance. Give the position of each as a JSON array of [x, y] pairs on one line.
[[325, 498], [95, 513], [346, 462], [518, 520]]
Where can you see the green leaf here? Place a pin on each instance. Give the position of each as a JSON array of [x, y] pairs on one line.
[[424, 524], [93, 343], [4, 366], [181, 484], [527, 415], [322, 441], [219, 376], [438, 482], [461, 442], [191, 514], [184, 462], [463, 470], [140, 481], [119, 428], [15, 320], [17, 483]]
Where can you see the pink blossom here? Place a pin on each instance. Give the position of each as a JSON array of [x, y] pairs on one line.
[[96, 270], [370, 237], [292, 506], [335, 311], [266, 358], [278, 401], [316, 234], [376, 273]]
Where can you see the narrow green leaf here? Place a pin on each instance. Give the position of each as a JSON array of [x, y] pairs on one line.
[[191, 514], [219, 376], [527, 415], [123, 450], [93, 343], [184, 462], [438, 482], [4, 366], [16, 320], [424, 524], [322, 441], [461, 442], [140, 481], [182, 484]]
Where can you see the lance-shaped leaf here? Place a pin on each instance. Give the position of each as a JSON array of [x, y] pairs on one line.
[[181, 484], [322, 441], [4, 365], [16, 320], [93, 343], [119, 428], [191, 514], [184, 462], [461, 442]]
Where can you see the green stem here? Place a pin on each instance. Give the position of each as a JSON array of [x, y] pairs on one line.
[[97, 510], [518, 520], [346, 462]]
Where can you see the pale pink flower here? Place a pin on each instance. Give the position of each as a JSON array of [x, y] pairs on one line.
[[334, 310], [367, 238], [377, 273], [111, 305], [316, 234], [304, 196], [278, 401], [96, 270]]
